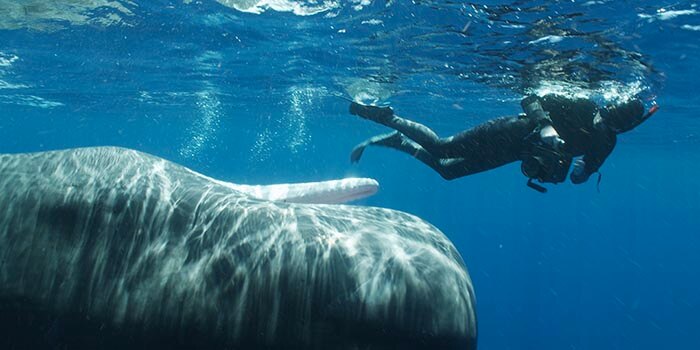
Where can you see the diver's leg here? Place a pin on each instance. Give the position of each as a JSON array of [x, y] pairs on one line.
[[421, 134], [501, 137], [399, 142], [486, 146], [448, 168], [452, 168]]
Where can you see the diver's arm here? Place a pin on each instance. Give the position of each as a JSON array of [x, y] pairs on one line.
[[594, 158], [533, 109]]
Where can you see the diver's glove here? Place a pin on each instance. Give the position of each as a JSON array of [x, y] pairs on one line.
[[548, 135], [579, 175], [371, 112]]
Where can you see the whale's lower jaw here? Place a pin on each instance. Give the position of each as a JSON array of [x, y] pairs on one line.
[[112, 248], [323, 192]]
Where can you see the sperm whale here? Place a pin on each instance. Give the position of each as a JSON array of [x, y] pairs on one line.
[[112, 248]]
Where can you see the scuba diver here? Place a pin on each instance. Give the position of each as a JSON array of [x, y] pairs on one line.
[[552, 131]]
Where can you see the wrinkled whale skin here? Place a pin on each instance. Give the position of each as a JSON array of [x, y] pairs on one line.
[[110, 248]]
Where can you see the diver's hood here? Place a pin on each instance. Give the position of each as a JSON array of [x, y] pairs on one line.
[[625, 116]]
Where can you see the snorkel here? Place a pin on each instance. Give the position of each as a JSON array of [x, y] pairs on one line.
[[650, 112]]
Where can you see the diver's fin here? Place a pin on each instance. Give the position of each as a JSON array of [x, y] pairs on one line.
[[392, 139], [356, 153], [371, 112]]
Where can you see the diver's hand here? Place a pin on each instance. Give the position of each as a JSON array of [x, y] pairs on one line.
[[579, 175], [371, 112], [550, 137]]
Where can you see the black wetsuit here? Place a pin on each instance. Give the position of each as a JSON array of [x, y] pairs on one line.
[[498, 141]]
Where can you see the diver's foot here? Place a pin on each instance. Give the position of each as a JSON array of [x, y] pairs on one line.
[[392, 139], [356, 153], [371, 112]]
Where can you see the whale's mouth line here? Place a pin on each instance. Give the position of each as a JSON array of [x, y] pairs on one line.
[[366, 192], [335, 197]]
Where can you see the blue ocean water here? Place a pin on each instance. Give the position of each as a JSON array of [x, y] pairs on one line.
[[256, 92]]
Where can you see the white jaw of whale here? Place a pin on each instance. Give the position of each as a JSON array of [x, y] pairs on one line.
[[322, 192]]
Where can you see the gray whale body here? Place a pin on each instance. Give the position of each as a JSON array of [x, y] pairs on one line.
[[113, 248]]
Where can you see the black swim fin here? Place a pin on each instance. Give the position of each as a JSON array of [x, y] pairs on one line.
[[392, 139], [356, 153], [371, 112]]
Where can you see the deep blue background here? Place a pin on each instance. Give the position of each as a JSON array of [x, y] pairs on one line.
[[572, 269]]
